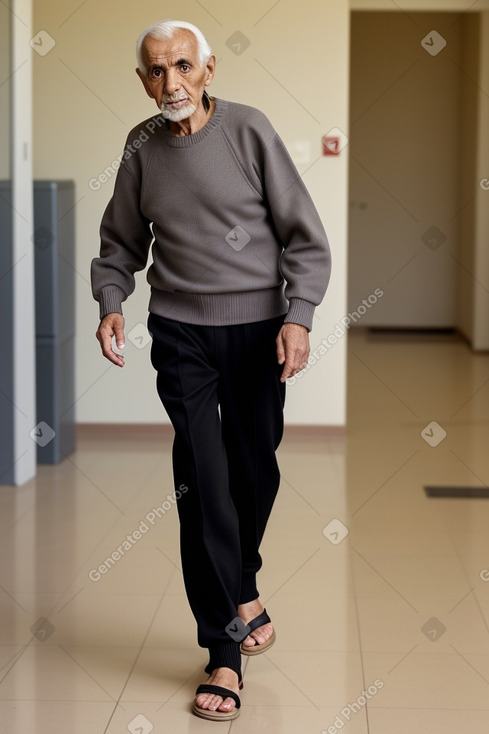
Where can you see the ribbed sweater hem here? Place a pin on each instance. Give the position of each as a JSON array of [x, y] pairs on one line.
[[219, 309]]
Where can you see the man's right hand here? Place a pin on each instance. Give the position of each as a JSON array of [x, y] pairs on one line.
[[112, 325]]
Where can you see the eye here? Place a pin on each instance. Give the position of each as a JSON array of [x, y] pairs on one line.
[[156, 73], [184, 67]]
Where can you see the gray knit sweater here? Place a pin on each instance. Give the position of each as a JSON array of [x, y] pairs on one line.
[[236, 237]]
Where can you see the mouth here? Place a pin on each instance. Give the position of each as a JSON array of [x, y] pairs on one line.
[[176, 103]]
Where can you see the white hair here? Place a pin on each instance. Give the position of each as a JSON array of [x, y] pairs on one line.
[[166, 29]]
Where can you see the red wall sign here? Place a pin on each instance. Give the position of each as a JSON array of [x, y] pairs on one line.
[[331, 145]]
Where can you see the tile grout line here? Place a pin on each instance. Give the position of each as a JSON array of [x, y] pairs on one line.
[[117, 703], [359, 631]]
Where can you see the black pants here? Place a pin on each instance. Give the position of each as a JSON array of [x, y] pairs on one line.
[[221, 389]]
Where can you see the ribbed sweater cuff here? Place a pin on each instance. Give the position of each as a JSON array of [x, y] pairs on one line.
[[300, 312], [110, 300]]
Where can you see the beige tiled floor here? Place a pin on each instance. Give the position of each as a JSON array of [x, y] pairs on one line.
[[398, 608]]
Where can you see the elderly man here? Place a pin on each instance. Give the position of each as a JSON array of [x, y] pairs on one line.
[[239, 261]]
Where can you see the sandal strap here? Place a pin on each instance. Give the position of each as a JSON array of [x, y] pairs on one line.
[[219, 691], [259, 621]]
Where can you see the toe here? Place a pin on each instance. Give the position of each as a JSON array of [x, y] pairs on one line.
[[215, 702], [227, 705], [262, 634], [212, 703], [202, 700]]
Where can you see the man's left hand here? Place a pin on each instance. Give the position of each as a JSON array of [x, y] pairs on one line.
[[292, 349]]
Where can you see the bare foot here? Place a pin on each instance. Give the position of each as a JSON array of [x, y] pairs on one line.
[[226, 678], [249, 611]]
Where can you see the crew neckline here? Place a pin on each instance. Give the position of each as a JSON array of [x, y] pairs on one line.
[[184, 141]]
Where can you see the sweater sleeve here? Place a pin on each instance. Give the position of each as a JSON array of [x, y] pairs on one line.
[[126, 237], [305, 263]]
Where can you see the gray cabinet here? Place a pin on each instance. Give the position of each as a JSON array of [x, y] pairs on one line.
[[53, 240], [7, 403], [54, 250]]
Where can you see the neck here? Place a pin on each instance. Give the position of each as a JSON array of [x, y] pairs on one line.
[[195, 122]]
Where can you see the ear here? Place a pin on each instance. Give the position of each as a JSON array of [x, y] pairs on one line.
[[145, 83], [210, 68]]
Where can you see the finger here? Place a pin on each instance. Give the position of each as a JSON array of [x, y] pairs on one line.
[[280, 348], [104, 336], [119, 337], [296, 361], [108, 352], [117, 359], [288, 369]]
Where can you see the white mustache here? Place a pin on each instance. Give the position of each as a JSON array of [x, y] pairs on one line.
[[172, 98]]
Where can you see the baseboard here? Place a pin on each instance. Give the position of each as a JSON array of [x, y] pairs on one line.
[[165, 430], [313, 432], [124, 430]]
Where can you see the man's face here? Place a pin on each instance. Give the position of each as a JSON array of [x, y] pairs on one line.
[[175, 79]]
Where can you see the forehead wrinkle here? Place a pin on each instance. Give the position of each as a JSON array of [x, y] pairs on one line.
[[156, 50], [177, 56]]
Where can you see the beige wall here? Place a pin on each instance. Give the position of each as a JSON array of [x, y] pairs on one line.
[[419, 150], [469, 110], [404, 168], [87, 97], [21, 168], [481, 260], [4, 93]]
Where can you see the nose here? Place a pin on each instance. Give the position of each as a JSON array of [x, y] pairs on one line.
[[172, 83]]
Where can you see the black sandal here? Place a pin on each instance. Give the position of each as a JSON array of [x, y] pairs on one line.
[[256, 649], [218, 691]]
